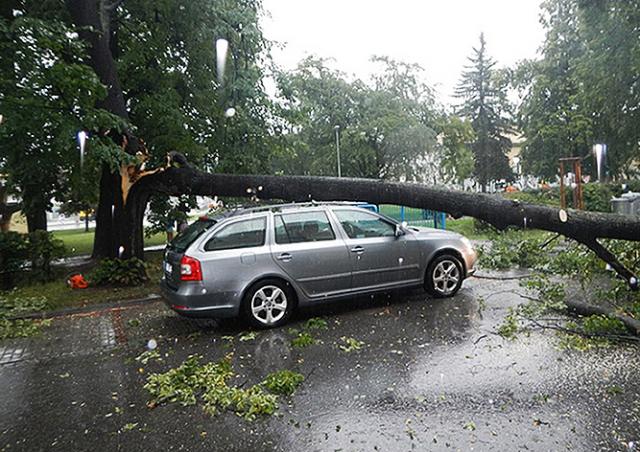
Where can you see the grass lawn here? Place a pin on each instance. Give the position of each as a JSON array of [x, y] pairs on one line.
[[79, 242], [59, 295]]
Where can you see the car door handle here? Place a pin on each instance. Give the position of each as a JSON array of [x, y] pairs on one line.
[[357, 249], [284, 257]]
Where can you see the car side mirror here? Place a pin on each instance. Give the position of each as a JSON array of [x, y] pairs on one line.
[[398, 231]]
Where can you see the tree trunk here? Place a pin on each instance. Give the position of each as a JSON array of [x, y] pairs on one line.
[[103, 237], [36, 219], [584, 227], [110, 228], [34, 207]]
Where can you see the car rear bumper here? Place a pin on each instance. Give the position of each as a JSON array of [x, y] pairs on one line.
[[192, 300]]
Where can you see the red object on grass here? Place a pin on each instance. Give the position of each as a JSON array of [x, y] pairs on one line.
[[77, 282]]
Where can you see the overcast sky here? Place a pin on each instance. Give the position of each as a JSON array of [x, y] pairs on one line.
[[437, 34]]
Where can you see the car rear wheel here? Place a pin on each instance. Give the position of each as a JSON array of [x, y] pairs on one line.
[[444, 276], [268, 303]]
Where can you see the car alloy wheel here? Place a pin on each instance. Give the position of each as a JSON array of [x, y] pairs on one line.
[[268, 304], [444, 276]]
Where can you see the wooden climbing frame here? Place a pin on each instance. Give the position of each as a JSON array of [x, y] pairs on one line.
[[578, 200]]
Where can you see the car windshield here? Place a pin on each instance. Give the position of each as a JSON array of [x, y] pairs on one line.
[[190, 234]]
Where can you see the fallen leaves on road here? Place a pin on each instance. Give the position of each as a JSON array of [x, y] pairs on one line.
[[210, 382], [350, 344]]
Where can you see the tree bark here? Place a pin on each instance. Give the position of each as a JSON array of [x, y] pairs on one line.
[[34, 207], [36, 220]]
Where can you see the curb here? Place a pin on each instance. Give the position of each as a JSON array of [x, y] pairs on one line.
[[87, 309]]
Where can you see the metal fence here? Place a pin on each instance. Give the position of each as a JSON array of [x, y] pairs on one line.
[[413, 216]]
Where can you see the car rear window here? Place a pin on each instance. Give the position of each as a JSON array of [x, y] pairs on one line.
[[241, 234], [190, 234]]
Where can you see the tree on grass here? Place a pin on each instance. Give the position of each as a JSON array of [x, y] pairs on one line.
[[554, 122], [484, 104], [47, 94]]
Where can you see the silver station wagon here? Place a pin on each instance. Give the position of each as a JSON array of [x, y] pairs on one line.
[[264, 262]]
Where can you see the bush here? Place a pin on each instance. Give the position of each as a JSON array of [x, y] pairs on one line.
[[547, 197], [510, 248], [597, 197], [482, 227], [27, 254], [120, 272], [43, 249], [13, 256]]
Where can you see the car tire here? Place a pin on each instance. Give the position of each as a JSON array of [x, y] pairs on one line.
[[268, 303], [444, 276]]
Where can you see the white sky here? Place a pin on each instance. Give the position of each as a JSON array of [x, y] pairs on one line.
[[437, 34]]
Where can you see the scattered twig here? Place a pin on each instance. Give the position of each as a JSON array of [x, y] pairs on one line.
[[500, 292], [479, 339], [503, 278], [617, 337], [310, 373], [545, 244]]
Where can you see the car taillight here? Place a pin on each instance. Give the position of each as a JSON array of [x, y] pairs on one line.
[[190, 269]]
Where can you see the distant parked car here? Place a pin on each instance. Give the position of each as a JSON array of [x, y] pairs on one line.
[[265, 262]]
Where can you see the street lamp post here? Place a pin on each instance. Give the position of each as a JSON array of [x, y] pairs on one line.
[[337, 129]]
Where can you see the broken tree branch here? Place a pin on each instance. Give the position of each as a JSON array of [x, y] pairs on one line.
[[615, 337], [584, 309]]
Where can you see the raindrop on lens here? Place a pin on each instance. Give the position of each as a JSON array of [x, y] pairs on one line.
[[222, 47], [82, 139]]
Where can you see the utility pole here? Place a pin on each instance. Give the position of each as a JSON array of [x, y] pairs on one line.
[[337, 129]]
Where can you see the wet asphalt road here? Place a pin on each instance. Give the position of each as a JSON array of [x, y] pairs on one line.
[[433, 375]]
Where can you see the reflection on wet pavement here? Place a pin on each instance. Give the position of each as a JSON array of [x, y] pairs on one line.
[[432, 375]]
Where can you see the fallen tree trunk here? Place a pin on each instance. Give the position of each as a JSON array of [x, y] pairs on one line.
[[584, 309], [584, 227]]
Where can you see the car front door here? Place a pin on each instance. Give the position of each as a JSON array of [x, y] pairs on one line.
[[307, 248], [379, 258]]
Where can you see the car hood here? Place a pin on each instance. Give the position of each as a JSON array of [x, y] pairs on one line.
[[432, 233]]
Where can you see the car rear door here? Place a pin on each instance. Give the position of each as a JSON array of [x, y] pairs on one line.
[[306, 248], [379, 258]]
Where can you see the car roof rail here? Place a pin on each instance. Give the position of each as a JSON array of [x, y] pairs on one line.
[[241, 210]]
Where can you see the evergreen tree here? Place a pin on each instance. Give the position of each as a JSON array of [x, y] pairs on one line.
[[484, 104]]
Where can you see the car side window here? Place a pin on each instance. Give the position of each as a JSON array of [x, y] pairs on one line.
[[242, 234], [360, 225], [303, 227]]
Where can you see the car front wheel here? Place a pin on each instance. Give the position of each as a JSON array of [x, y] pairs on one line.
[[268, 304], [444, 276]]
